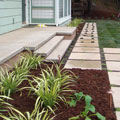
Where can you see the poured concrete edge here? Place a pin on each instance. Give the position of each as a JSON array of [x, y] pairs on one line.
[[38, 45], [49, 58], [10, 55], [67, 33]]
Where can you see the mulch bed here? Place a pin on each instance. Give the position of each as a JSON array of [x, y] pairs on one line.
[[92, 82]]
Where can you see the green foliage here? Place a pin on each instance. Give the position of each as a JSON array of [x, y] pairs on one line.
[[32, 60], [89, 108], [36, 114], [75, 22], [108, 31], [49, 86], [9, 82], [4, 105]]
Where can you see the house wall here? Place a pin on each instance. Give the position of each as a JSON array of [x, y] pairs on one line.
[[10, 15]]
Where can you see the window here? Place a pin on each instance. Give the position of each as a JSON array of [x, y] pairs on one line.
[[60, 8], [65, 7], [69, 5]]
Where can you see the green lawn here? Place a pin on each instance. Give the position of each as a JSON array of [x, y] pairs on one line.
[[109, 33]]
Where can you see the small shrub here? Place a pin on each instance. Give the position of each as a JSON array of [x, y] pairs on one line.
[[32, 60], [36, 114], [89, 108], [49, 86], [3, 104], [75, 22], [9, 82]]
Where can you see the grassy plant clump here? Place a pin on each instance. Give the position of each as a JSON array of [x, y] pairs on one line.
[[50, 84], [75, 22], [36, 114], [32, 60], [4, 105], [89, 110], [9, 82]]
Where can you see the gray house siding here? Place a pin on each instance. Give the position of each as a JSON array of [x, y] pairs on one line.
[[10, 15]]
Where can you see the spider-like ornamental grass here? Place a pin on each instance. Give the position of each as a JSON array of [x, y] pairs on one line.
[[4, 104], [52, 85], [9, 81], [36, 114], [32, 60]]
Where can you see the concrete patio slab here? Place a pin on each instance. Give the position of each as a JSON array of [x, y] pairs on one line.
[[116, 96], [87, 41], [89, 35], [9, 52], [118, 115], [85, 56], [114, 66], [111, 50], [59, 51], [86, 45], [113, 57], [114, 78], [86, 49], [86, 38], [83, 64], [46, 49]]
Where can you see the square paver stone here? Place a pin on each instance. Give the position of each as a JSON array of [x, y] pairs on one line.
[[86, 49], [83, 64], [85, 56], [118, 115], [114, 78], [111, 50], [86, 45], [116, 96], [113, 57], [115, 66], [87, 41]]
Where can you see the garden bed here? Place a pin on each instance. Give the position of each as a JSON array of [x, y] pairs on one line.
[[92, 82]]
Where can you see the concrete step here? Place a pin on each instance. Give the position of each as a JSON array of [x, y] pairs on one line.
[[60, 50], [48, 47]]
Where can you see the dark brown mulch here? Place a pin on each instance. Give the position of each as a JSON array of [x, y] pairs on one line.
[[92, 82]]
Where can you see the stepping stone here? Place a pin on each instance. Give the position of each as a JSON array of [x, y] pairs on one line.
[[111, 50], [87, 41], [86, 49], [47, 48], [116, 96], [88, 35], [59, 51], [86, 45], [114, 66], [114, 78], [83, 64], [85, 56], [92, 38], [113, 57], [118, 115]]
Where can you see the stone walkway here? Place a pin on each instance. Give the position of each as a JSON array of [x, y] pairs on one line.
[[86, 55], [112, 57], [86, 52]]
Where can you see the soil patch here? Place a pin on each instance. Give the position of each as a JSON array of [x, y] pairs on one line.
[[92, 82]]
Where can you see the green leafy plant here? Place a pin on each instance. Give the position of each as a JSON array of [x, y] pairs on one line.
[[89, 108], [49, 86], [9, 82], [4, 105], [36, 114], [75, 22], [32, 60]]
